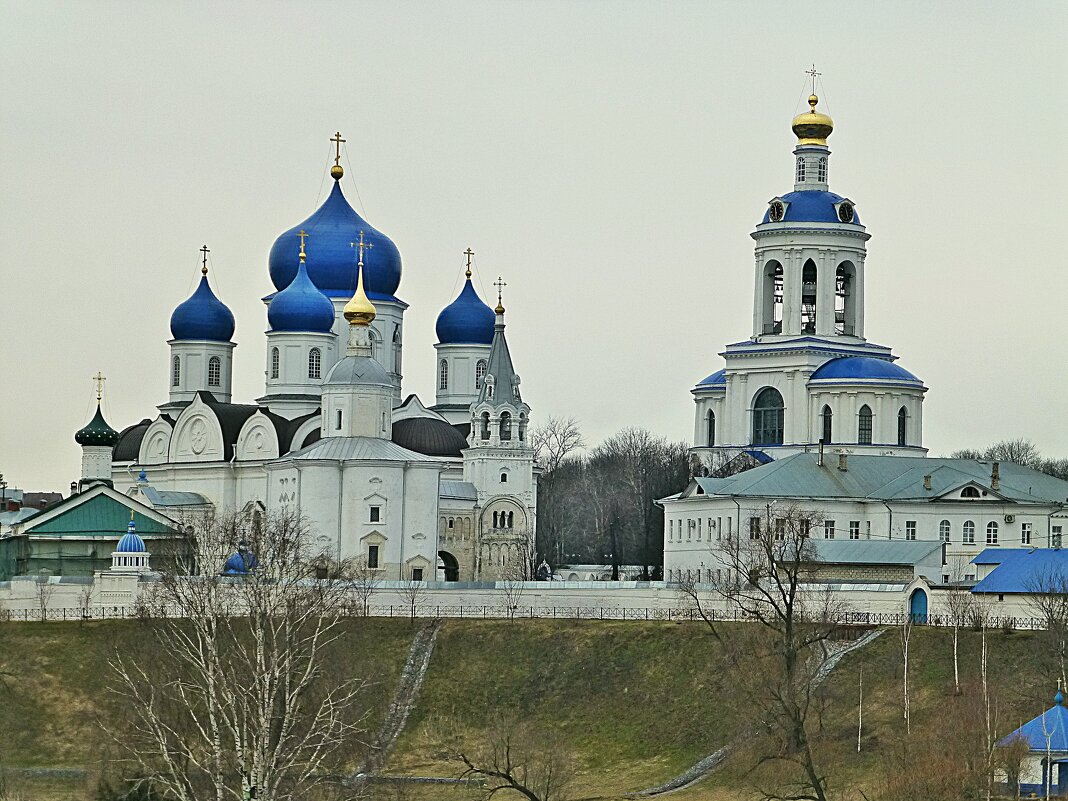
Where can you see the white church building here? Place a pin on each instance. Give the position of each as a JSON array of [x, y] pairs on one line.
[[422, 492]]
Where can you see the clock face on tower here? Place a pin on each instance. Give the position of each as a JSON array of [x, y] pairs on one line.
[[776, 211], [845, 212]]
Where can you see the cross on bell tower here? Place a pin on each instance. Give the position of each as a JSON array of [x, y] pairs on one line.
[[204, 261], [337, 171], [99, 380]]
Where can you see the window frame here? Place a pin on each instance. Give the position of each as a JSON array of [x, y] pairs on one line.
[[968, 532], [276, 363], [315, 363], [865, 425], [214, 371]]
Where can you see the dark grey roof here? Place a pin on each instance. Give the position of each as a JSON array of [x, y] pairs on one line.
[[358, 370], [499, 367], [231, 417], [349, 448], [429, 436], [129, 444], [174, 498], [286, 429], [874, 552], [458, 490]]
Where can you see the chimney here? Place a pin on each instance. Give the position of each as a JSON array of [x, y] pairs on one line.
[[927, 483], [843, 461], [995, 475]]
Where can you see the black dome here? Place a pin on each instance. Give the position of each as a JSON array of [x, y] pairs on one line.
[[428, 436]]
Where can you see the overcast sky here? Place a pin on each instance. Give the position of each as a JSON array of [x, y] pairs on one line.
[[609, 159]]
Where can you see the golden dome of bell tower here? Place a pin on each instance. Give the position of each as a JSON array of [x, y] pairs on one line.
[[812, 127]]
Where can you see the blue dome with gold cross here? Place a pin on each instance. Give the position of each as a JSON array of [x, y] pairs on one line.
[[203, 316], [301, 306], [332, 230], [466, 320]]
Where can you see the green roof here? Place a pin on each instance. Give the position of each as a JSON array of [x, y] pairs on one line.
[[99, 515]]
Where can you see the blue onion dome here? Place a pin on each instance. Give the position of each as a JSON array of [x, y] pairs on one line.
[[331, 257], [1058, 699], [241, 562], [863, 368], [130, 543], [98, 432], [301, 307], [813, 205], [466, 320], [203, 316]]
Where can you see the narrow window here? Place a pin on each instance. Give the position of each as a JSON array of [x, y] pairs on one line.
[[1025, 533], [805, 527], [754, 528], [864, 426], [821, 171], [275, 359], [337, 424], [214, 371], [1055, 537], [450, 522], [710, 428], [902, 426], [372, 556], [417, 574], [780, 528], [485, 425], [375, 515], [854, 529], [510, 518], [506, 426], [944, 531], [828, 529], [495, 520], [504, 478], [969, 532], [800, 170], [991, 533], [480, 373], [910, 529], [827, 419], [522, 427], [443, 375], [176, 371], [315, 363], [808, 298]]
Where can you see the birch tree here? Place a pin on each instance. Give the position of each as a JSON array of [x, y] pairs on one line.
[[234, 703]]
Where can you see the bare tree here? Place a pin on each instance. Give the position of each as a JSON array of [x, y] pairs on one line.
[[85, 601], [768, 578], [959, 606], [413, 593], [516, 758], [1048, 599], [905, 635], [513, 582], [365, 582], [43, 593], [234, 703], [555, 440]]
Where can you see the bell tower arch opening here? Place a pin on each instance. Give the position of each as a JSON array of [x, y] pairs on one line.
[[772, 293], [808, 297], [845, 299]]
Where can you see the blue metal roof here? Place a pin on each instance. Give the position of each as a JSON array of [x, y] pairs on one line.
[[811, 205], [862, 368], [331, 257], [1024, 570], [1054, 722], [202, 316], [716, 379], [301, 306], [466, 320]]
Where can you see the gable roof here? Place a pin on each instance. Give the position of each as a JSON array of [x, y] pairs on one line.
[[98, 512], [1054, 722], [875, 552], [885, 478], [1025, 570]]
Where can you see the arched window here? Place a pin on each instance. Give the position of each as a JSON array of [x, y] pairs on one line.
[[902, 426], [315, 363], [506, 426], [808, 298], [773, 293], [845, 312], [443, 374], [485, 425], [769, 415], [827, 418], [821, 172], [337, 423], [969, 492], [275, 361], [510, 519], [864, 425], [991, 533], [522, 427], [969, 532], [495, 519], [214, 371], [800, 169], [710, 428], [504, 478], [480, 373], [944, 529], [374, 345], [176, 371]]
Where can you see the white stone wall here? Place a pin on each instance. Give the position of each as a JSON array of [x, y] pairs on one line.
[[195, 356]]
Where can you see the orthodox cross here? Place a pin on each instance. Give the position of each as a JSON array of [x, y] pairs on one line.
[[469, 253], [361, 246], [99, 379], [204, 262], [814, 75], [500, 284], [303, 235], [338, 142]]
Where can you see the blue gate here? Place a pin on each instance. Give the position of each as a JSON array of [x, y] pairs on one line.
[[918, 606]]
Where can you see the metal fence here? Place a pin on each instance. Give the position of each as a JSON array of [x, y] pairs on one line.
[[850, 620]]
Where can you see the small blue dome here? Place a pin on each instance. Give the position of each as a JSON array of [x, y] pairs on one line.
[[301, 307], [718, 378], [811, 206], [863, 368], [466, 320], [241, 562], [203, 316], [1058, 698], [331, 257], [130, 543]]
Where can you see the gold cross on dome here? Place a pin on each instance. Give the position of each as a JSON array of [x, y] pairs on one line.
[[469, 253], [99, 379], [500, 284], [204, 261], [303, 235], [338, 142], [813, 74], [361, 246]]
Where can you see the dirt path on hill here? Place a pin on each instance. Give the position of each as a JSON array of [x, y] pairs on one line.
[[699, 770]]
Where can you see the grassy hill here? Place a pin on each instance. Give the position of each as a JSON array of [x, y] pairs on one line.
[[635, 702]]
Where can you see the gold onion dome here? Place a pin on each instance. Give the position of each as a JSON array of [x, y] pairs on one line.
[[359, 310], [812, 127]]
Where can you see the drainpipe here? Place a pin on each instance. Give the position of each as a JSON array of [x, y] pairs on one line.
[[890, 527], [340, 494]]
